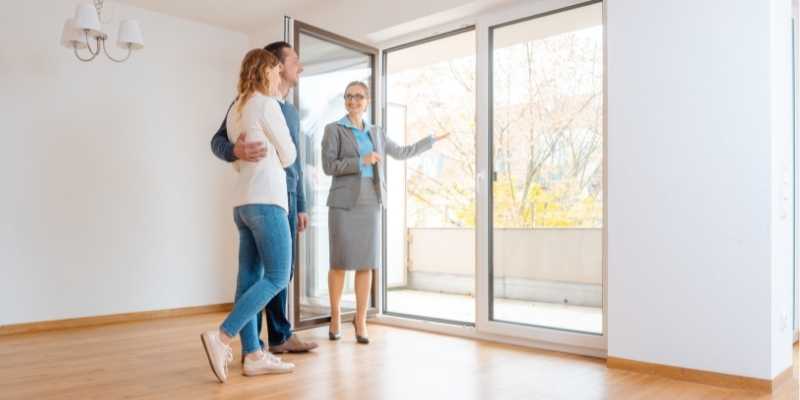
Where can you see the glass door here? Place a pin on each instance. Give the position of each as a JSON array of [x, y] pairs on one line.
[[330, 62]]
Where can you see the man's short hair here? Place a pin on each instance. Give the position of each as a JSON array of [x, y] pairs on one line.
[[276, 48]]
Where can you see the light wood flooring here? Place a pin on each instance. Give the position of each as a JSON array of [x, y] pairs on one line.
[[163, 359]]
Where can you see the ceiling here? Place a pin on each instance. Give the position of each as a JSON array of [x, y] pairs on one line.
[[245, 16], [371, 21]]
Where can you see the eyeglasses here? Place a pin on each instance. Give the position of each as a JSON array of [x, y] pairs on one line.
[[358, 97]]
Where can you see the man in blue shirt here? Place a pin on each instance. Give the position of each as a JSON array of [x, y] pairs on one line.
[[281, 339]]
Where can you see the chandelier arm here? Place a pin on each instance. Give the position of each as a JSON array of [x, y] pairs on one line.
[[112, 58], [86, 40], [75, 50]]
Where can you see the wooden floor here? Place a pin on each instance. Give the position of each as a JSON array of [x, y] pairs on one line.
[[163, 359]]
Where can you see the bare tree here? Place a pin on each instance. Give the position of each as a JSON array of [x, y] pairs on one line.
[[547, 136]]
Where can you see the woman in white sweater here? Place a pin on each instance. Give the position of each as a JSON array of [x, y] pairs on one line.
[[260, 214]]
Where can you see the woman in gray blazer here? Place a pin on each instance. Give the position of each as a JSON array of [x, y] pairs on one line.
[[353, 153]]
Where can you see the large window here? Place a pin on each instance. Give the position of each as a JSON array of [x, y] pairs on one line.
[[547, 183], [499, 228]]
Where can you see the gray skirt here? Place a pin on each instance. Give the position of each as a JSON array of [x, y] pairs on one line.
[[354, 235]]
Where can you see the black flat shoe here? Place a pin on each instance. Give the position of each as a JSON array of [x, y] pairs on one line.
[[360, 339]]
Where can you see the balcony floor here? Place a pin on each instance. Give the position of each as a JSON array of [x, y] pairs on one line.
[[462, 308]]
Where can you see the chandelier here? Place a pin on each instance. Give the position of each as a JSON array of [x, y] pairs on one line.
[[84, 28]]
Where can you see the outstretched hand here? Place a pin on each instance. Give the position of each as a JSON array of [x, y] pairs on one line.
[[441, 135]]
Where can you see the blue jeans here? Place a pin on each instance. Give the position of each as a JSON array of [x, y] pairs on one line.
[[265, 253], [279, 328]]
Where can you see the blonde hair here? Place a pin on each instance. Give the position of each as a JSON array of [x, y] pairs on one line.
[[254, 76], [359, 84]]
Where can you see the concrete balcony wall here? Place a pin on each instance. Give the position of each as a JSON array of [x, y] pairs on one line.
[[547, 265]]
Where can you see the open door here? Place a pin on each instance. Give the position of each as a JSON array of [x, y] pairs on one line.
[[330, 62]]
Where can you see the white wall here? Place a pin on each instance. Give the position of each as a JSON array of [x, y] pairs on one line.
[[112, 201], [796, 14], [780, 85], [694, 125]]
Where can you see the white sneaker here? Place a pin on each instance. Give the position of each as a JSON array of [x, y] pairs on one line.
[[219, 354], [267, 364]]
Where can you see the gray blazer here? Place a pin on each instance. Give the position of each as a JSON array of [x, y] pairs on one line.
[[341, 161]]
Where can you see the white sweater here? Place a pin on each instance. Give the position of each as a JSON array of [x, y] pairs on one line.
[[262, 182]]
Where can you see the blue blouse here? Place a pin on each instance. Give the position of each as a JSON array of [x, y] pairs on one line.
[[364, 142]]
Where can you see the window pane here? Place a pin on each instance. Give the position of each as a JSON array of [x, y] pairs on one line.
[[547, 191], [431, 89]]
